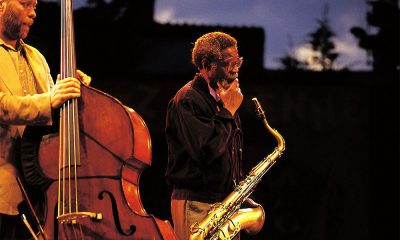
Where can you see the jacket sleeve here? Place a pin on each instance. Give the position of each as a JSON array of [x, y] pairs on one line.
[[203, 138], [25, 110]]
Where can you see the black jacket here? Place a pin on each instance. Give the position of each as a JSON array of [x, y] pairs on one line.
[[204, 145]]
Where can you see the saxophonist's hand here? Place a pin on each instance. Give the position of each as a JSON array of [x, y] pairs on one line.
[[232, 97], [251, 203]]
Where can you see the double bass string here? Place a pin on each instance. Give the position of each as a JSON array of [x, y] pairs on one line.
[[61, 131], [61, 180], [69, 112], [74, 102], [77, 152], [69, 121]]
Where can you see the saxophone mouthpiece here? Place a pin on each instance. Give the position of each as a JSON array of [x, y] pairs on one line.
[[259, 110]]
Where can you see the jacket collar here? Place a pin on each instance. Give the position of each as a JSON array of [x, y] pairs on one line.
[[200, 84], [20, 45], [10, 78]]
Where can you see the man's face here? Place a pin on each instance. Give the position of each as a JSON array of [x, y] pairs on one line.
[[228, 69], [16, 18]]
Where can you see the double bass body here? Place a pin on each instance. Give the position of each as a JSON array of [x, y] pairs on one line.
[[90, 168], [103, 194]]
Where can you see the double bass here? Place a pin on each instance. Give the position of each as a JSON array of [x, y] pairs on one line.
[[89, 168]]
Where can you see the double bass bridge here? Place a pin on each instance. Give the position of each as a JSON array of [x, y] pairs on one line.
[[73, 218]]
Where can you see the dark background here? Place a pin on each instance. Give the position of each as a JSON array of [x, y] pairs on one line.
[[338, 178]]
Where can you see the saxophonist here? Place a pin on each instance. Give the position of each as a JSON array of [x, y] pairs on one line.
[[203, 132]]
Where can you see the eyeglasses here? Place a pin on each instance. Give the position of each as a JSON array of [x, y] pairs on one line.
[[232, 62]]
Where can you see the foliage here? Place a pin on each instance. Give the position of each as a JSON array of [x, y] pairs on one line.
[[322, 49], [322, 44], [383, 45]]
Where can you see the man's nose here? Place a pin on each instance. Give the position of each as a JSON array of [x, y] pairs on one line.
[[32, 13]]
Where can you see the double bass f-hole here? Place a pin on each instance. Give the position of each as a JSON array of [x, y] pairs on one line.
[[69, 215], [91, 165], [69, 146]]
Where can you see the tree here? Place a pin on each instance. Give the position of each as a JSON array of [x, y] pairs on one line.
[[322, 43], [384, 44], [320, 46], [289, 61]]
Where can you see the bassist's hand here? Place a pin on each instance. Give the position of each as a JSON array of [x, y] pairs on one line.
[[85, 79], [63, 90]]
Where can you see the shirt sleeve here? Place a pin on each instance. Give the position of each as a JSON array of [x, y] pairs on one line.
[[25, 110], [204, 138]]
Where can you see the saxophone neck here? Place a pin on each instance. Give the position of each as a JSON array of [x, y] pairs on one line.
[[278, 137], [260, 112]]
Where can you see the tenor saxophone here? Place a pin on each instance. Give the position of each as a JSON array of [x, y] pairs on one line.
[[225, 219]]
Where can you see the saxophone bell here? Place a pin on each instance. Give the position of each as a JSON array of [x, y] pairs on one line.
[[226, 219]]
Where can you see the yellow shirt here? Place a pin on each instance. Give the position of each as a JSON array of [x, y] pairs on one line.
[[26, 77], [17, 109]]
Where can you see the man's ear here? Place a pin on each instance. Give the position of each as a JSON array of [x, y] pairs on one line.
[[2, 5], [206, 64]]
